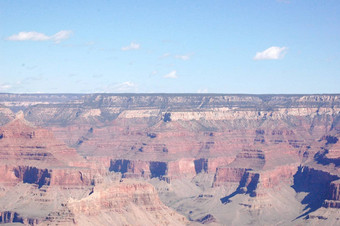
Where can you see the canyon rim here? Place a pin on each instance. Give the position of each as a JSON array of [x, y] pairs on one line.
[[169, 159]]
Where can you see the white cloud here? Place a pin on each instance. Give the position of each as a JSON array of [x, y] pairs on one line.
[[131, 46], [4, 87], [172, 74], [202, 91], [272, 53], [61, 35], [124, 87], [31, 35], [36, 36]]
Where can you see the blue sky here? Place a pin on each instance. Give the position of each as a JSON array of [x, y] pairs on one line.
[[170, 46]]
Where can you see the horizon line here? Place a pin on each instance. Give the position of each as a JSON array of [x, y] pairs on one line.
[[198, 94]]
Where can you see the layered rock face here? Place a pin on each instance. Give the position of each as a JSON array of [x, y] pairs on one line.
[[33, 155], [248, 148], [120, 202]]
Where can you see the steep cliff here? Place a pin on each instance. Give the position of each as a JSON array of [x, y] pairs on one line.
[[208, 155], [124, 203]]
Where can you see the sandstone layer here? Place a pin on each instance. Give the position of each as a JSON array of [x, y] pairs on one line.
[[217, 159]]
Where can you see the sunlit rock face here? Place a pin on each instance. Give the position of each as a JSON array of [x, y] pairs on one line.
[[206, 156]]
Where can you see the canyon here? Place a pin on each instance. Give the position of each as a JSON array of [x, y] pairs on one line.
[[169, 159]]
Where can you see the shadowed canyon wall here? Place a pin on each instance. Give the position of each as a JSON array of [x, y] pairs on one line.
[[250, 146]]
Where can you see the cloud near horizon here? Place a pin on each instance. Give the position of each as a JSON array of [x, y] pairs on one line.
[[272, 53], [132, 46], [4, 87], [172, 74], [36, 36], [205, 90], [123, 87]]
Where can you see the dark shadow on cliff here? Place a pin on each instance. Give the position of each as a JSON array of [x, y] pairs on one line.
[[158, 169], [314, 201], [227, 198], [245, 187], [321, 158], [316, 184]]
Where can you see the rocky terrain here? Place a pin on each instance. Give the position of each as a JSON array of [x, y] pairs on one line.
[[169, 159]]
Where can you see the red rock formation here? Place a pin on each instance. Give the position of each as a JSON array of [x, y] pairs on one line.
[[119, 200], [21, 143], [32, 155], [256, 142], [7, 175], [214, 163], [183, 167], [225, 175], [280, 174], [72, 177]]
